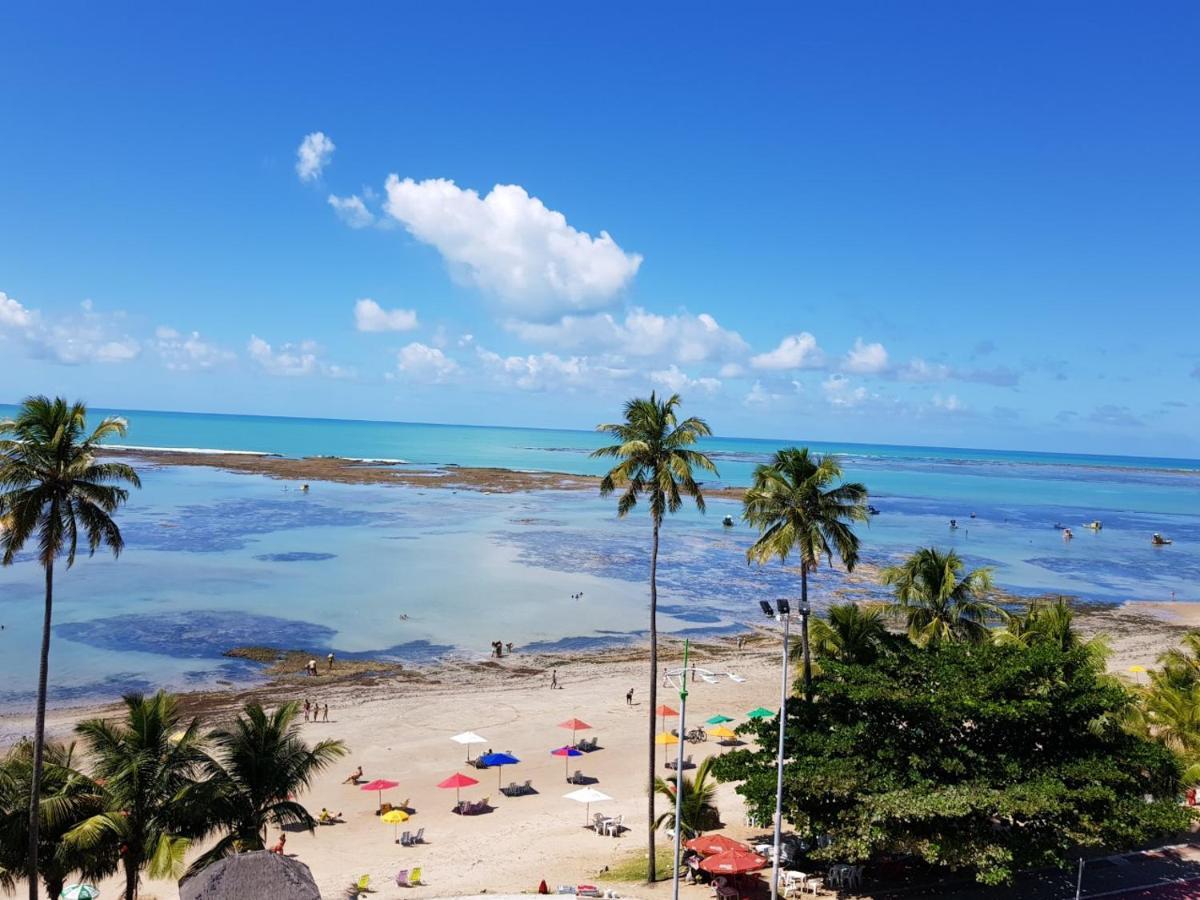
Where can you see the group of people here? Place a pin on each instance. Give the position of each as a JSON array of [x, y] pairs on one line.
[[499, 648], [314, 712], [310, 668]]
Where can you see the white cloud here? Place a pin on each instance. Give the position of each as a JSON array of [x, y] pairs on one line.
[[949, 403], [681, 337], [796, 351], [13, 314], [731, 370], [182, 353], [370, 316], [760, 396], [352, 210], [293, 359], [542, 371], [919, 370], [425, 363], [313, 155], [674, 381], [840, 391], [511, 245], [866, 359]]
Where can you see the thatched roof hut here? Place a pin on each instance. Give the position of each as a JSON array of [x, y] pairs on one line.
[[252, 875]]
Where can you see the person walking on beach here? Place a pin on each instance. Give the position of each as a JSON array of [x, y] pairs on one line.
[[325, 715], [553, 679], [629, 697], [306, 709], [330, 658]]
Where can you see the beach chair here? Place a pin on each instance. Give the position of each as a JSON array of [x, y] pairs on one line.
[[577, 778], [406, 807], [405, 838], [402, 878], [414, 877], [363, 884], [527, 787], [419, 837], [598, 822], [613, 826]]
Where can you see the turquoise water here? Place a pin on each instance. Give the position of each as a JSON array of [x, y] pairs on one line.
[[215, 560]]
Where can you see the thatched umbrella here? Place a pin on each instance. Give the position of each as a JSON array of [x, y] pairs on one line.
[[257, 874]]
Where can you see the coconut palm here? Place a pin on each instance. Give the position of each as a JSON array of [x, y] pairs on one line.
[[67, 797], [849, 633], [1051, 623], [656, 462], [1181, 665], [258, 764], [800, 504], [938, 601], [51, 488], [698, 809], [148, 763]]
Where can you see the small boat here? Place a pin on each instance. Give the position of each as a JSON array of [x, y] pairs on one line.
[[1060, 526], [1095, 525], [872, 511], [1159, 541], [727, 521]]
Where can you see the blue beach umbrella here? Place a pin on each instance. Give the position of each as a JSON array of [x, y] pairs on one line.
[[499, 760], [566, 752]]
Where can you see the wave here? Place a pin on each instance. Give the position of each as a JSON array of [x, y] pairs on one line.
[[213, 451]]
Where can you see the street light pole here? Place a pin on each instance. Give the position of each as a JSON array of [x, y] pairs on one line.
[[783, 616]]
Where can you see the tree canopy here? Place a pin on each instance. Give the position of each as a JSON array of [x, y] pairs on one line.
[[987, 758]]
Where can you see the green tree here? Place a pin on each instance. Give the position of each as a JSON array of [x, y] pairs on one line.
[[698, 808], [258, 764], [1051, 622], [51, 488], [67, 797], [850, 632], [148, 763], [799, 503], [1181, 665], [983, 758], [656, 462], [938, 601]]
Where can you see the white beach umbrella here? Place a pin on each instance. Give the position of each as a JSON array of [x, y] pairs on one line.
[[80, 892], [587, 796], [468, 738]]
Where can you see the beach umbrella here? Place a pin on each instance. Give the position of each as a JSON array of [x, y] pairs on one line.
[[500, 760], [468, 738], [380, 785], [1137, 671], [662, 712], [733, 862], [566, 753], [717, 720], [574, 725], [457, 781], [587, 796], [760, 713], [80, 892], [666, 739], [712, 844], [723, 733], [394, 817]]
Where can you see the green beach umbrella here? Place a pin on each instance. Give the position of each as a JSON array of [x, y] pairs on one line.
[[718, 720], [760, 713], [80, 892]]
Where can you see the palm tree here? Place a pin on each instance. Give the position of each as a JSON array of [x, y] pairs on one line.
[[1181, 665], [50, 486], [698, 808], [850, 633], [656, 461], [798, 502], [67, 797], [148, 763], [1053, 624], [938, 601], [259, 763]]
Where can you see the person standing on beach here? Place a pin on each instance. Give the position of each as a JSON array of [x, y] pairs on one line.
[[306, 709], [330, 658], [325, 715], [629, 697], [553, 679]]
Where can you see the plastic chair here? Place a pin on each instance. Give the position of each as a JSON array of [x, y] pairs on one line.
[[414, 877], [405, 838], [419, 837], [364, 884], [402, 878]]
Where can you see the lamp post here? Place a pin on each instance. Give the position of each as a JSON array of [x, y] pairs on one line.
[[678, 678], [784, 616]]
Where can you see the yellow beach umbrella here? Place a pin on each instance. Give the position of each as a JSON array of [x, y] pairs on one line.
[[1137, 671], [394, 817], [722, 732], [665, 738]]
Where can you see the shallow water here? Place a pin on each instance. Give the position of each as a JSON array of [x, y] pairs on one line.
[[216, 560]]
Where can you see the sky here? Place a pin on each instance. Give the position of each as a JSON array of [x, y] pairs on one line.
[[926, 223]]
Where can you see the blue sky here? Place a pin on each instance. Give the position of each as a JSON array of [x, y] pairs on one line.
[[937, 223]]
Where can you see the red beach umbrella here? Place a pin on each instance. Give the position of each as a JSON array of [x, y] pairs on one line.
[[457, 781], [733, 862], [662, 712], [574, 725], [712, 844], [380, 785], [566, 753]]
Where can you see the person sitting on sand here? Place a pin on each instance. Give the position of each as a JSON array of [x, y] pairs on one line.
[[278, 848], [328, 818], [355, 778]]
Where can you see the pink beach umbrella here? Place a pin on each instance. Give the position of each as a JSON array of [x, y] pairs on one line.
[[566, 753], [380, 785], [574, 725], [458, 781]]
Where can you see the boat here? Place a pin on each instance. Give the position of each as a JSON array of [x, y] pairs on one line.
[[872, 510], [1059, 525], [727, 521], [1095, 525], [1159, 541]]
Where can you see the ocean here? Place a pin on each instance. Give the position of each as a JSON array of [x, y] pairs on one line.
[[215, 560]]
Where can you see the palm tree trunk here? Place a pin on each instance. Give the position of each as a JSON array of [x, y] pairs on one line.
[[54, 887], [651, 874], [131, 875], [39, 736], [804, 634]]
